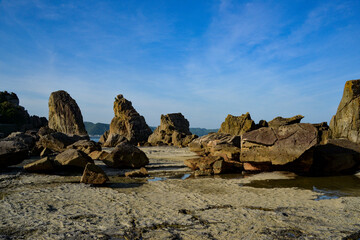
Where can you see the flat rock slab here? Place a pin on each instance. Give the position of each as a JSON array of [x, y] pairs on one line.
[[278, 146]]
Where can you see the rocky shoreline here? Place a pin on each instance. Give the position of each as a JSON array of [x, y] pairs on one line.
[[137, 184]]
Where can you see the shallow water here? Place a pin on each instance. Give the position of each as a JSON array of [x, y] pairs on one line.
[[330, 187]]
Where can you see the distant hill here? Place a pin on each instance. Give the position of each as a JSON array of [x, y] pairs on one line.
[[100, 128], [96, 128]]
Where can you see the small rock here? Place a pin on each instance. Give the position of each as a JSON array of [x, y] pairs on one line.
[[140, 173], [93, 175]]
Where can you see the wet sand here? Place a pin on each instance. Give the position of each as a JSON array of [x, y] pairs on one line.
[[37, 206]]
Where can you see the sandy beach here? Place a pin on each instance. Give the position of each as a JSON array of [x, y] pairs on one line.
[[170, 204]]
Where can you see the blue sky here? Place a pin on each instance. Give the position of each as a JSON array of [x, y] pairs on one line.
[[205, 59]]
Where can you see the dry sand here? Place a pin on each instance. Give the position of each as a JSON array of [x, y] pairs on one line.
[[36, 206]]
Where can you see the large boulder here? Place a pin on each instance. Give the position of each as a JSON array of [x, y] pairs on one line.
[[277, 146], [173, 130], [346, 122], [217, 144], [337, 156], [12, 152], [127, 123], [65, 115], [237, 125], [126, 156], [73, 158], [280, 121]]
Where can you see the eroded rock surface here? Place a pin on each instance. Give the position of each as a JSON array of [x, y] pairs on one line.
[[280, 121], [346, 122], [278, 146], [237, 125], [127, 123], [65, 115], [173, 130]]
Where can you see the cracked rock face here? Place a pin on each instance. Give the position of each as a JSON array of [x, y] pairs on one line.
[[65, 115], [278, 146], [346, 122]]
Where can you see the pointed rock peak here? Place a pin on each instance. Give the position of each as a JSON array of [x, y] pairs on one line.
[[65, 115]]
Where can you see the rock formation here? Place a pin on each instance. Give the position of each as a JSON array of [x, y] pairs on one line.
[[173, 130], [237, 125], [280, 121], [65, 115], [346, 122], [220, 153], [127, 123], [277, 146], [126, 156], [14, 117], [217, 145]]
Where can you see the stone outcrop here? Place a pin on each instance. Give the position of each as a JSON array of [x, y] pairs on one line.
[[73, 158], [277, 146], [93, 175], [65, 115], [280, 121], [126, 156], [14, 117], [346, 122], [237, 125], [127, 123], [173, 130], [217, 145]]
